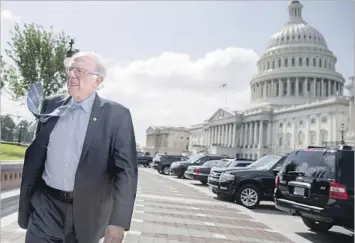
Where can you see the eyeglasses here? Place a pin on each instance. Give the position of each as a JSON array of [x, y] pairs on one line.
[[80, 71]]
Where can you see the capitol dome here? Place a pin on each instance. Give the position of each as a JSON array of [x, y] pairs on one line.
[[296, 67]]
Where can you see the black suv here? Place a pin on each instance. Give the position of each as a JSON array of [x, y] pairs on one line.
[[252, 184], [162, 163], [317, 183]]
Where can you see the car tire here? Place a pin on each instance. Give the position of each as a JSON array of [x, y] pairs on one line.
[[166, 170], [317, 226], [204, 182], [248, 196]]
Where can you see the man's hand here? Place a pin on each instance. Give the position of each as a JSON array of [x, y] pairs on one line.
[[114, 234]]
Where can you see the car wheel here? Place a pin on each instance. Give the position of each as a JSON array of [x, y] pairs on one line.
[[166, 170], [160, 172], [204, 182], [317, 226], [248, 196]]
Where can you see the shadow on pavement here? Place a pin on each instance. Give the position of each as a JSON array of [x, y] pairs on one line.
[[330, 237]]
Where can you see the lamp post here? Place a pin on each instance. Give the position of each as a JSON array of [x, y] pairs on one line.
[[342, 130], [70, 52]]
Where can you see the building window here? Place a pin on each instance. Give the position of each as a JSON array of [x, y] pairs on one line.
[[289, 124], [300, 138], [280, 141], [293, 91], [324, 137], [268, 65], [286, 62], [288, 140], [273, 64], [279, 63], [293, 61], [320, 63], [307, 61], [325, 63], [280, 125], [300, 61], [313, 121], [312, 138], [300, 123], [324, 119], [314, 62], [300, 87]]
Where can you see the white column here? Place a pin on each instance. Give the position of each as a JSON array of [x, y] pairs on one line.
[[261, 134], [288, 87], [255, 142], [305, 86], [219, 135], [241, 134], [250, 139], [329, 87], [307, 141], [246, 131], [223, 134], [318, 141], [269, 134], [330, 134], [314, 87], [226, 138], [234, 135], [230, 135]]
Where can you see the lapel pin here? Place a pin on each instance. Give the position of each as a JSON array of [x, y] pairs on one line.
[[94, 119]]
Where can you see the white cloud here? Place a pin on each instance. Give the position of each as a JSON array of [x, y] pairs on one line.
[[8, 16], [174, 90]]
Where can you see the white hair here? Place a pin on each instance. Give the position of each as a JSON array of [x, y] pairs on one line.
[[100, 67]]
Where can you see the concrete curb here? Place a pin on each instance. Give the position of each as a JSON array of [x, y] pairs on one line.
[[257, 217]]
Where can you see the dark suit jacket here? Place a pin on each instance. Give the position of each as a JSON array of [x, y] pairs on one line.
[[106, 178]]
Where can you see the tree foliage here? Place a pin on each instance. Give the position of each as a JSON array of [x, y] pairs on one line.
[[22, 132], [38, 55], [7, 128]]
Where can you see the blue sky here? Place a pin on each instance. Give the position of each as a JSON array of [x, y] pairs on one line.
[[136, 32]]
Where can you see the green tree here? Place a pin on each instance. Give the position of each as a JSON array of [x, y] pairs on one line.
[[38, 55], [7, 128], [22, 133]]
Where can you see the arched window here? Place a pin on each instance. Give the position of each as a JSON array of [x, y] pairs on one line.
[[300, 138], [288, 140], [312, 138]]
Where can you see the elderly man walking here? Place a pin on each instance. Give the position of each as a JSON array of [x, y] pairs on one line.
[[80, 173]]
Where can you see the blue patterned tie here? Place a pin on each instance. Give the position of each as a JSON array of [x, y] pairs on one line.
[[34, 96]]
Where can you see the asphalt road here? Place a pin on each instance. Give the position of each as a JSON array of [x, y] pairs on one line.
[[9, 205], [283, 222]]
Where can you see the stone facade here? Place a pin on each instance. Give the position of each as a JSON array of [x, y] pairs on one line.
[[297, 99], [170, 140]]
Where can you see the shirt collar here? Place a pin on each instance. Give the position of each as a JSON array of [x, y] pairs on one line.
[[85, 104]]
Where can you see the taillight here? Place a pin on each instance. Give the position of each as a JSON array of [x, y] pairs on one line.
[[277, 181], [338, 191], [197, 170]]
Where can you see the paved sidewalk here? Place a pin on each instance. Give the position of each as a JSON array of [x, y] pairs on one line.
[[170, 212]]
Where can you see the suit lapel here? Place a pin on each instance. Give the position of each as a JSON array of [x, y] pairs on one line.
[[94, 123]]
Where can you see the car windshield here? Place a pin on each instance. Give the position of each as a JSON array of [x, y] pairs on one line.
[[221, 163], [193, 158], [210, 163], [265, 163]]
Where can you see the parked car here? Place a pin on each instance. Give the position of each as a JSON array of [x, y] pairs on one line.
[[163, 162], [318, 184], [213, 177], [178, 168], [252, 184], [201, 173], [144, 159]]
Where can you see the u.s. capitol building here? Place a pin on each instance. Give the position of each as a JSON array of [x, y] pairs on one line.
[[297, 100]]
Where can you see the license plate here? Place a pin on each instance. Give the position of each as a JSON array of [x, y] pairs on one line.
[[298, 191]]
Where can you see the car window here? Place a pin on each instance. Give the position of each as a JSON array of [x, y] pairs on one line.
[[265, 163], [315, 164], [210, 163], [346, 168]]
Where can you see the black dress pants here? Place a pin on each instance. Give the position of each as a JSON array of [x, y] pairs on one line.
[[51, 220]]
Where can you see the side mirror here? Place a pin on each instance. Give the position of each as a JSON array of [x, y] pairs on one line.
[[276, 170]]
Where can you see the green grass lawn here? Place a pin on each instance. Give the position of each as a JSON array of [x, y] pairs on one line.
[[12, 152]]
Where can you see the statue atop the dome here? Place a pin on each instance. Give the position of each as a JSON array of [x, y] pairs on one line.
[[295, 12]]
